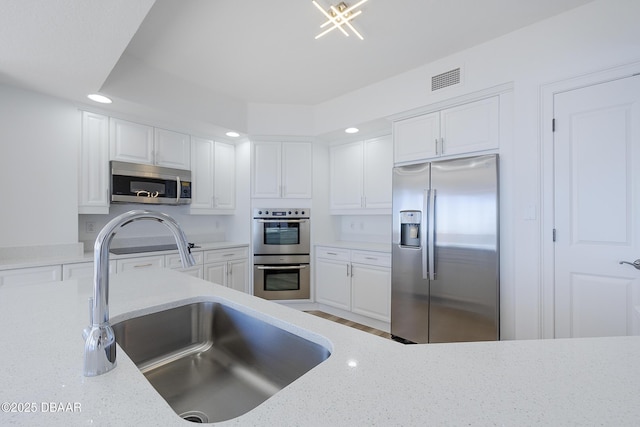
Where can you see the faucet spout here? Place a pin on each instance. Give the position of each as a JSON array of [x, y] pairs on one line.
[[100, 343]]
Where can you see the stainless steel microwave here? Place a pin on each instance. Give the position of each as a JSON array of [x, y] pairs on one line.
[[137, 183]]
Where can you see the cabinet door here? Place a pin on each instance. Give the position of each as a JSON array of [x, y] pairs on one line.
[[238, 274], [131, 142], [266, 168], [29, 276], [216, 273], [333, 284], [93, 183], [224, 181], [346, 175], [172, 149], [378, 168], [416, 138], [471, 127], [202, 173], [296, 170], [371, 291], [83, 270]]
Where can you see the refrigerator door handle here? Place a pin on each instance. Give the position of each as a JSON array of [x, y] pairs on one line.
[[423, 234], [431, 231]]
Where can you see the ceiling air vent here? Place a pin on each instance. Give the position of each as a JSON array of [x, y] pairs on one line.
[[446, 79]]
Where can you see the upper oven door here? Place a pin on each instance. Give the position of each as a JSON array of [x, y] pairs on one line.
[[276, 236]]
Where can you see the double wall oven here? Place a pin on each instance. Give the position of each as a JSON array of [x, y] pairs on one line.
[[281, 242]]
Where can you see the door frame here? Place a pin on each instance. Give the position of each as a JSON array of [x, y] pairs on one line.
[[547, 209]]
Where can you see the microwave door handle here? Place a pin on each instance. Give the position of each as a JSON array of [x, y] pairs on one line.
[[178, 189]]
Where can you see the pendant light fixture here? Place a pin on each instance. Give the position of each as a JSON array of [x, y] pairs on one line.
[[339, 16]]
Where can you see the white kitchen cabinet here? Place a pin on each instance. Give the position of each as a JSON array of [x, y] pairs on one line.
[[31, 275], [360, 175], [139, 263], [174, 262], [356, 281], [138, 143], [228, 267], [333, 282], [416, 138], [172, 149], [131, 142], [371, 285], [83, 270], [465, 128], [281, 170], [93, 171], [213, 176]]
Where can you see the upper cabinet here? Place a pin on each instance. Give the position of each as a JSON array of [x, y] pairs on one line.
[[172, 149], [137, 143], [213, 176], [93, 182], [281, 169], [462, 129], [360, 176]]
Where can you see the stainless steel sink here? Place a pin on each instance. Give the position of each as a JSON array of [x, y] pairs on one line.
[[211, 362]]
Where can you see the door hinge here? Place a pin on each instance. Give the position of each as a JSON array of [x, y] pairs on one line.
[[553, 125], [554, 234]]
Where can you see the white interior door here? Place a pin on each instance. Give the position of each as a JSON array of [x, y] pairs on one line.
[[597, 209]]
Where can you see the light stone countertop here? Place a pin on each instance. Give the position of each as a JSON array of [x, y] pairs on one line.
[[31, 259], [546, 382]]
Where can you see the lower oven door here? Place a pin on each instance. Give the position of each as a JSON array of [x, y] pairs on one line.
[[281, 277]]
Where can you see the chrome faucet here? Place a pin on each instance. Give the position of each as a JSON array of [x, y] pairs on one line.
[[100, 342]]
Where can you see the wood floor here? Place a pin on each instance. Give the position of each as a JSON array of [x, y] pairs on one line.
[[350, 323]]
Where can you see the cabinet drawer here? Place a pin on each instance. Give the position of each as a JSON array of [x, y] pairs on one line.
[[140, 263], [28, 276], [332, 253], [173, 261], [381, 259], [217, 255]]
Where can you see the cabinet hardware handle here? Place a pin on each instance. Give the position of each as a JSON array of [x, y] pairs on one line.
[[436, 146], [232, 254], [371, 258], [332, 253], [142, 265]]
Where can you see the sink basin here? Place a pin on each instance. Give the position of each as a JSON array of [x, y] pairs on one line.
[[211, 362]]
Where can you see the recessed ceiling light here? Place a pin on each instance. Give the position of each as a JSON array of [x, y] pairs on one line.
[[232, 134], [352, 130], [99, 98]]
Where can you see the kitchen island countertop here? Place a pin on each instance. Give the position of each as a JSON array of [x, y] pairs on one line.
[[367, 380]]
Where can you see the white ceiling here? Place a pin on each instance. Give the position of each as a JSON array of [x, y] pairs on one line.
[[249, 50]]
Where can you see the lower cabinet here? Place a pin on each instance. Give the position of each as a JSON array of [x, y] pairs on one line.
[[29, 276], [175, 263], [354, 280], [228, 267], [83, 270]]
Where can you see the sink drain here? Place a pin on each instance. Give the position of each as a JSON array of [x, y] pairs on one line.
[[195, 417]]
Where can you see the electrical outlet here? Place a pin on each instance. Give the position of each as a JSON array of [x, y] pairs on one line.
[[90, 227]]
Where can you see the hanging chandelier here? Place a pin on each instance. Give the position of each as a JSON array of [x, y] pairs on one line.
[[339, 17]]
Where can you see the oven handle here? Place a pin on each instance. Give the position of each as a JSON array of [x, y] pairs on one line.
[[291, 221], [284, 267]]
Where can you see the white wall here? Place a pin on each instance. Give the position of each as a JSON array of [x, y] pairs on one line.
[[39, 140]]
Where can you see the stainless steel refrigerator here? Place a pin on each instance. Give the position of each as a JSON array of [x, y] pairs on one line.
[[445, 255]]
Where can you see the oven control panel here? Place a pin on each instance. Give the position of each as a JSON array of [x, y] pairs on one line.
[[281, 213]]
